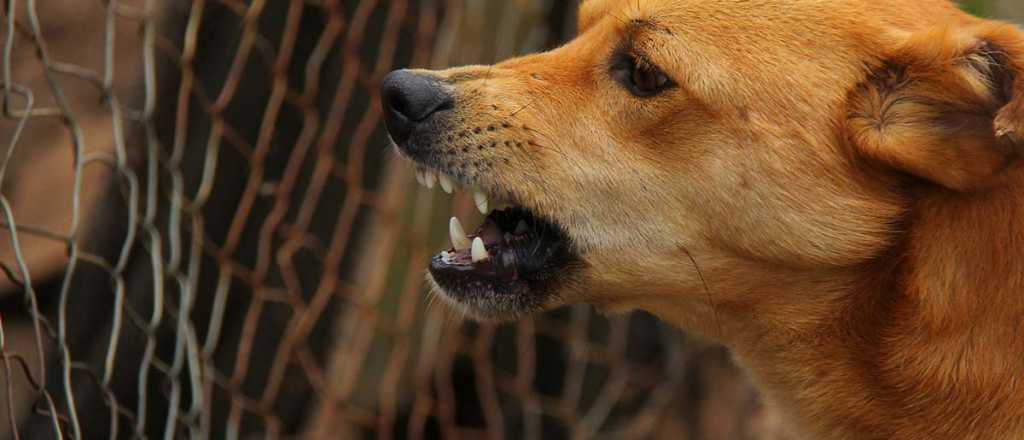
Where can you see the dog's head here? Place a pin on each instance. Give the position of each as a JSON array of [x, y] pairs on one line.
[[681, 154]]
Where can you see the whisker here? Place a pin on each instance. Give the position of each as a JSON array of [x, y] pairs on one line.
[[707, 290], [532, 101], [622, 19], [432, 298], [568, 158]]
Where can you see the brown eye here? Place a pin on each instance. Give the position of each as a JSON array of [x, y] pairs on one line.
[[648, 81], [640, 78]]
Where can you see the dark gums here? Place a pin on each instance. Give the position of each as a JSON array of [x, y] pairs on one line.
[[525, 260]]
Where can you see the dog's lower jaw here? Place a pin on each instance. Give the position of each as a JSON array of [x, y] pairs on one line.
[[482, 308]]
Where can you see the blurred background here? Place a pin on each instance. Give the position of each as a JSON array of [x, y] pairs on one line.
[[205, 236]]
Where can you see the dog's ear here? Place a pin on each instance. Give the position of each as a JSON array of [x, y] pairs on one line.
[[946, 105]]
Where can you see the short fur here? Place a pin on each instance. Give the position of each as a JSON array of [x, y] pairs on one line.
[[832, 191]]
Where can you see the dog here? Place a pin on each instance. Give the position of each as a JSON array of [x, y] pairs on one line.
[[832, 190]]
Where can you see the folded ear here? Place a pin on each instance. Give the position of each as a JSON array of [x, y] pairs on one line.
[[945, 105]]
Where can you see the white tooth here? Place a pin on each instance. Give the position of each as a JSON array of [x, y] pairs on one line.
[[458, 235], [419, 178], [479, 252], [481, 201], [446, 183], [522, 228], [446, 257], [431, 179]]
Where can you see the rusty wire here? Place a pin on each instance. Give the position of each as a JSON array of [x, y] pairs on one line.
[[253, 266]]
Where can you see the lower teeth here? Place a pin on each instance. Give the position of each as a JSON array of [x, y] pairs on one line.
[[479, 252]]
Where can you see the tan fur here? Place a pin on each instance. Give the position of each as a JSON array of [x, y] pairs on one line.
[[832, 191]]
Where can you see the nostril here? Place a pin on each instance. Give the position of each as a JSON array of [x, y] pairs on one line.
[[415, 96], [397, 104], [409, 99], [447, 104]]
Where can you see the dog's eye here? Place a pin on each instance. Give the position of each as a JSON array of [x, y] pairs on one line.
[[640, 78], [647, 80]]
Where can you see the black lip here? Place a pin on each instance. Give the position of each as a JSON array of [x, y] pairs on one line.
[[521, 274]]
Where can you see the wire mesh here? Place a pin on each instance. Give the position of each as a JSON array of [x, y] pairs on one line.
[[208, 239]]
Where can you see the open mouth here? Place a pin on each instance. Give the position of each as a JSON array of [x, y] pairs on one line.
[[508, 265]]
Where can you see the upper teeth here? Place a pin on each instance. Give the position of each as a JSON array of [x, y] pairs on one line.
[[481, 201], [426, 177], [429, 178], [446, 183]]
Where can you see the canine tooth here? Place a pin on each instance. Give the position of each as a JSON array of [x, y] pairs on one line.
[[458, 235], [446, 183], [522, 228], [431, 178], [479, 252], [419, 178], [481, 202]]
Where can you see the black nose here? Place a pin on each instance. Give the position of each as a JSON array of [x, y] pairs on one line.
[[409, 99]]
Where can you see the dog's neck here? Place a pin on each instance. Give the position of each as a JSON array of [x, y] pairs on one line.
[[926, 343]]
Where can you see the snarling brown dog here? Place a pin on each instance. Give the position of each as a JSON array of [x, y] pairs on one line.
[[830, 188]]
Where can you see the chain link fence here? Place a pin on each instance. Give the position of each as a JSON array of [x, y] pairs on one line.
[[205, 236]]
